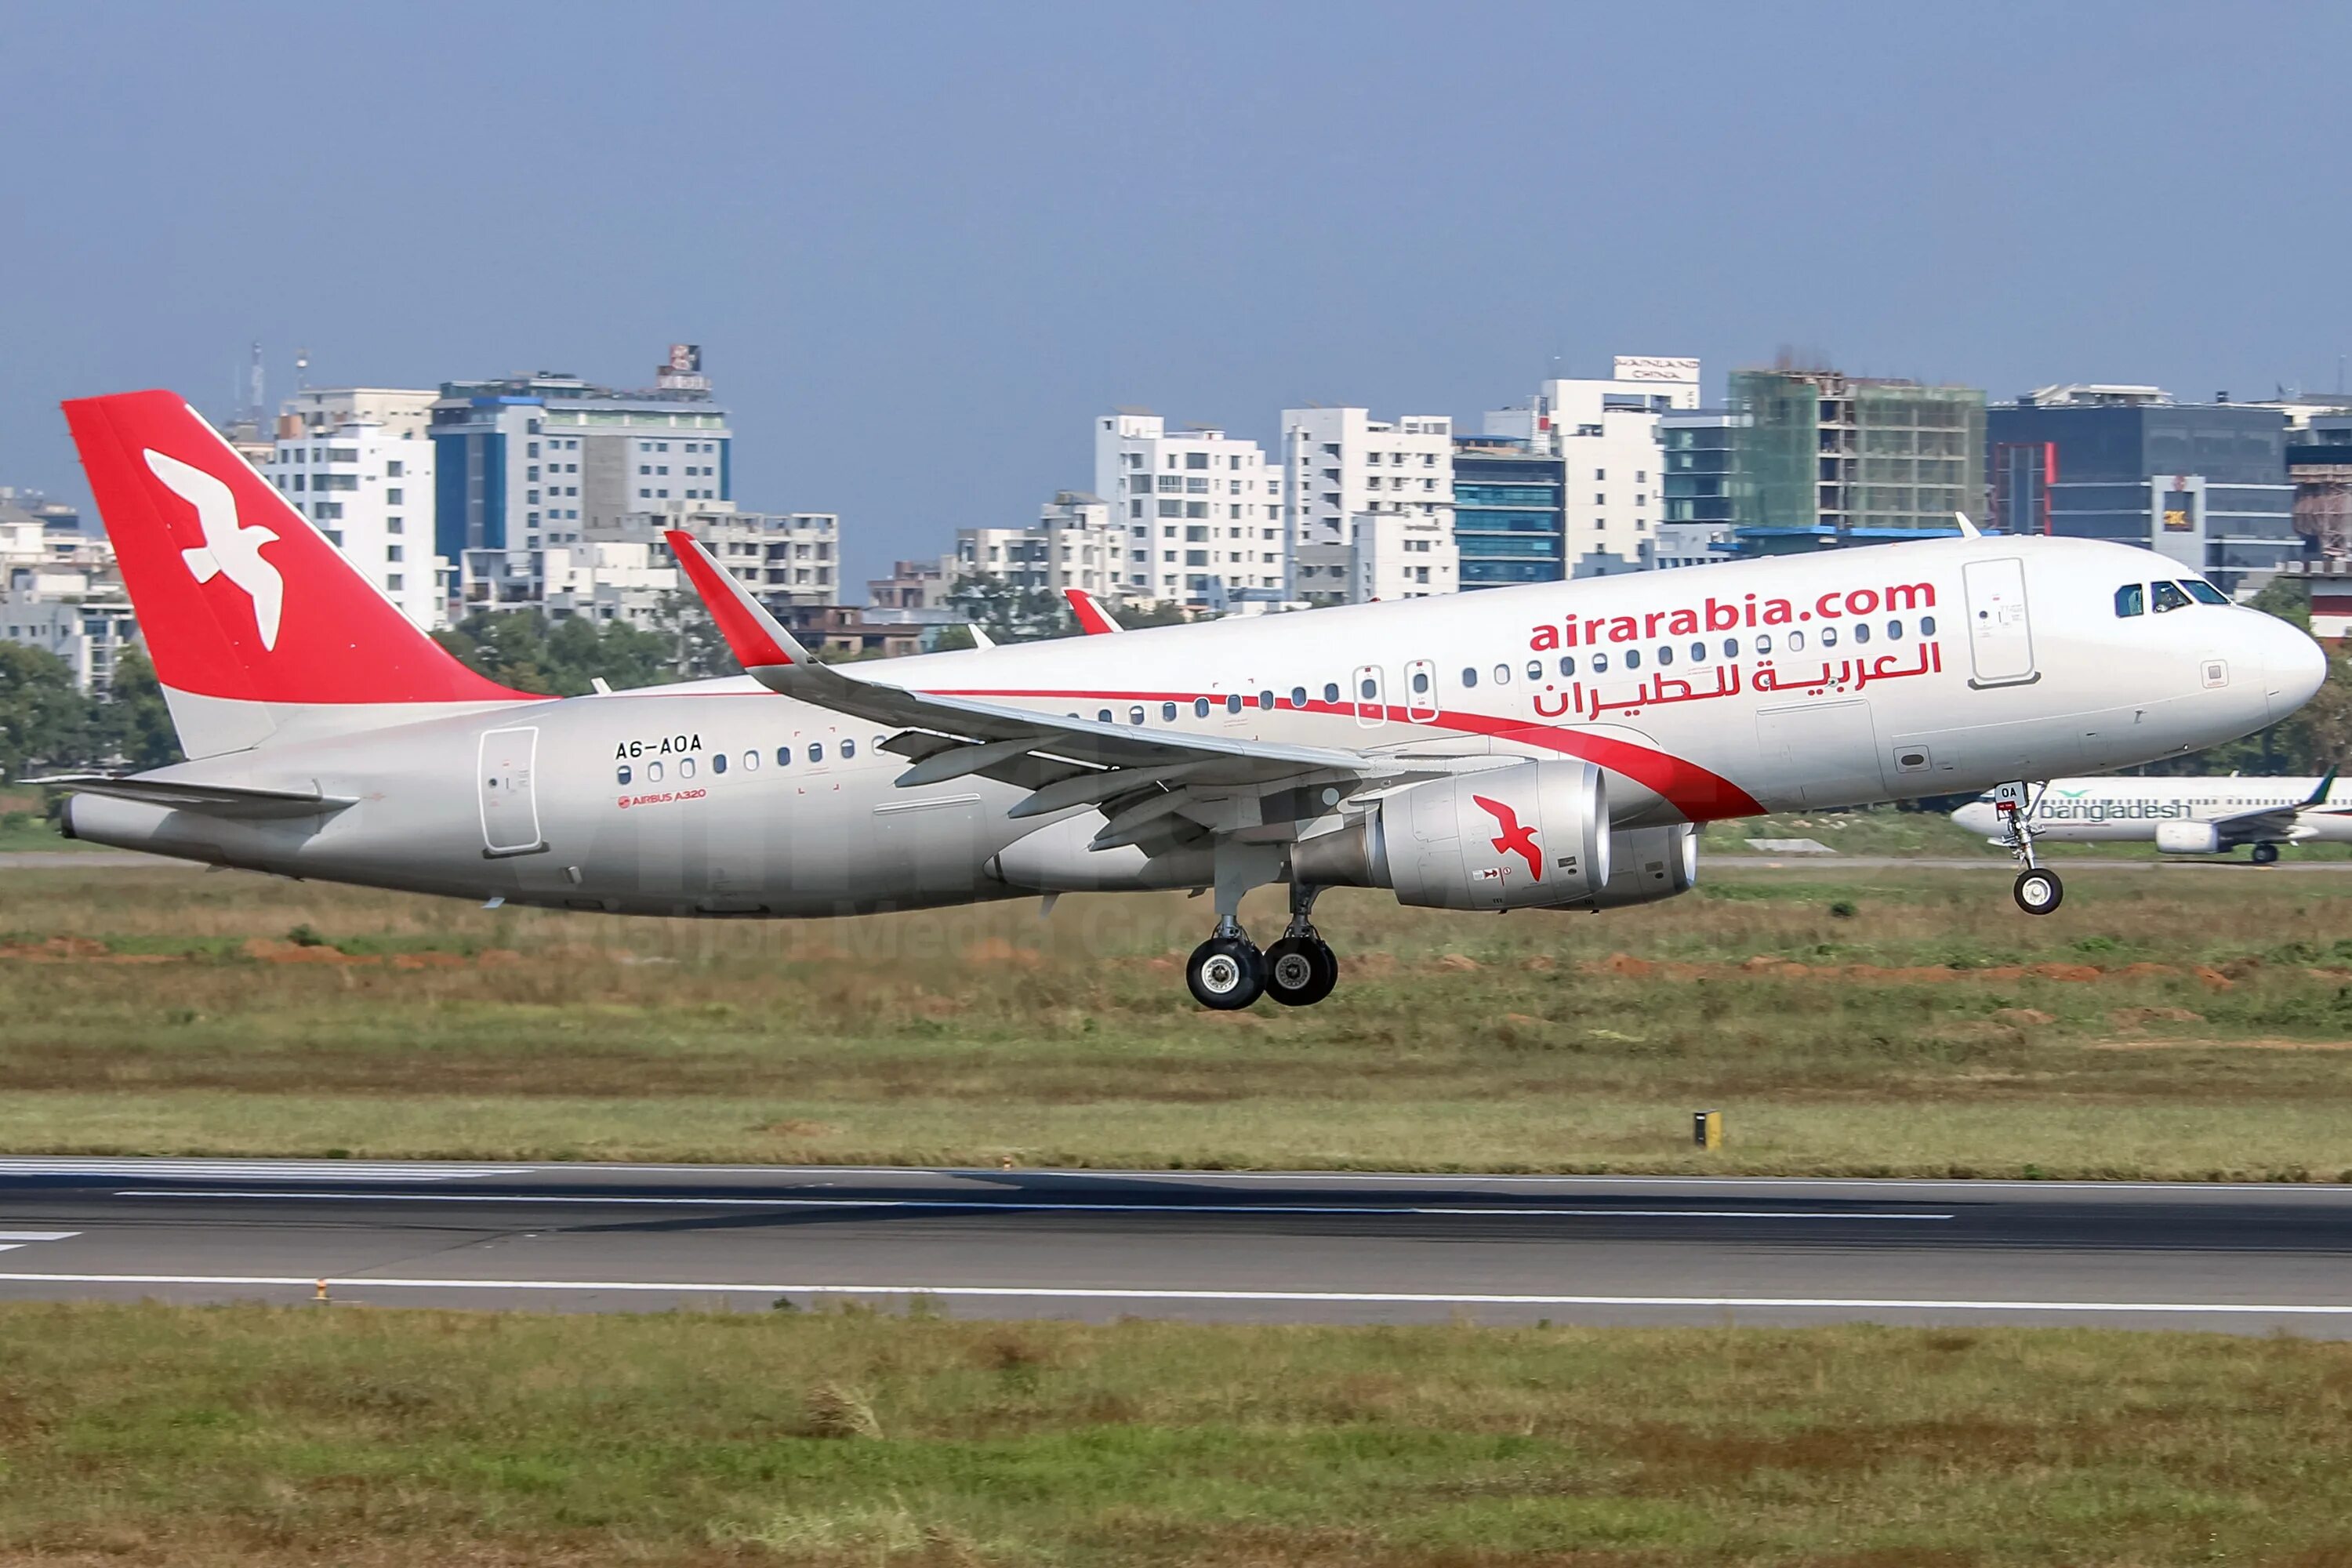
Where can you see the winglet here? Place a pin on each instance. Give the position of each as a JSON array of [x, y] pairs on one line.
[[1968, 529], [1093, 619], [2319, 795], [753, 635], [980, 637]]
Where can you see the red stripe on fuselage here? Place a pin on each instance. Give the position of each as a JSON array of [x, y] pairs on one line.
[[1700, 795]]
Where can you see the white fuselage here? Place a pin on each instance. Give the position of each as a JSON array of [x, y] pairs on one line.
[[1832, 680], [2130, 810]]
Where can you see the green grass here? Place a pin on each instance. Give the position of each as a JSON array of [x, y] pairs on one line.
[[256, 1436], [2188, 1023]]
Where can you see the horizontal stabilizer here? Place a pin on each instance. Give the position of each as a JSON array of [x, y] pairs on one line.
[[211, 799]]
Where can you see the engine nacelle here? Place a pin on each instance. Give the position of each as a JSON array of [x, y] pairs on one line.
[[2188, 838], [1526, 836], [1646, 864]]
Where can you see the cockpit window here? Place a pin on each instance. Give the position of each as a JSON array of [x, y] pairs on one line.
[[2204, 592], [2131, 599], [2168, 598]]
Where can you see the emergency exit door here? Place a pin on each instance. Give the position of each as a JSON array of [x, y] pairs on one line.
[[510, 807], [2000, 636]]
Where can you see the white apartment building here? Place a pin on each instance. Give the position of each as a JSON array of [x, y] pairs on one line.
[[789, 558], [1606, 435], [614, 579], [1202, 513], [59, 592], [405, 411], [1072, 544], [370, 491], [1370, 508]]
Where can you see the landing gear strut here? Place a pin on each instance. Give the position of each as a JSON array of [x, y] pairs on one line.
[[1301, 969], [2038, 890]]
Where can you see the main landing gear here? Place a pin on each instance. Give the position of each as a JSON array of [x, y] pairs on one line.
[[1228, 972], [2265, 854], [2038, 890]]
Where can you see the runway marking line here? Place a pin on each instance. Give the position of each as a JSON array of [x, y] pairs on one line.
[[977, 1203], [1106, 1293], [10, 1240]]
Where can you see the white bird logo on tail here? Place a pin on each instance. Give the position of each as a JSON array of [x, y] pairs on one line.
[[229, 550]]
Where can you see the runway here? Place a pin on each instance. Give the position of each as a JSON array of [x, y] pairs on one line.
[[1218, 1246]]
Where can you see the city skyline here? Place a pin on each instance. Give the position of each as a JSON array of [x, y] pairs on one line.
[[918, 296]]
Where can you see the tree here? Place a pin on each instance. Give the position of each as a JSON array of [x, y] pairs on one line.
[[134, 723], [523, 649], [697, 650], [1009, 614], [44, 717]]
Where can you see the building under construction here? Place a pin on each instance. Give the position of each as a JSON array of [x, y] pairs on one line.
[[1841, 456]]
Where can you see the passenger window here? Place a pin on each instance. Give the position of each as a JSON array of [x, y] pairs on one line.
[[1330, 692], [1633, 658], [2131, 599], [1927, 626], [1666, 656], [1168, 712], [719, 763], [1895, 631], [1265, 699], [1731, 648], [2168, 598], [1135, 714], [1299, 696], [784, 756], [1829, 638], [686, 767], [1534, 669], [1764, 644], [1568, 665], [816, 751], [1421, 683], [1862, 631], [1102, 716], [1369, 689], [1200, 708], [1796, 642], [849, 747], [750, 762], [1698, 652], [621, 773], [1469, 679], [653, 773], [2204, 592], [1599, 664], [1502, 675], [1233, 702]]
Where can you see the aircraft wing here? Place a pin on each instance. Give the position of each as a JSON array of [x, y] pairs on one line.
[[1147, 780], [211, 799], [2273, 823]]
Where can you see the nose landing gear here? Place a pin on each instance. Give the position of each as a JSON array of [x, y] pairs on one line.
[[2037, 891]]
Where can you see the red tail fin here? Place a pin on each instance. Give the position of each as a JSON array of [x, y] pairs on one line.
[[239, 598]]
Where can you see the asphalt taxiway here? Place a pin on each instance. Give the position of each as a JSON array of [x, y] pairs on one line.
[[1212, 1245]]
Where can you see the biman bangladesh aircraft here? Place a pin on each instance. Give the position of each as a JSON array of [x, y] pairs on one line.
[[1544, 747], [2181, 816]]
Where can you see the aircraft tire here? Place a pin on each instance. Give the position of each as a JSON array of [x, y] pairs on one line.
[[1300, 971], [1225, 973], [2038, 892], [2265, 854]]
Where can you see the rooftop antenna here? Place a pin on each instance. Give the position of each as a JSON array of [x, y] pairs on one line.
[[301, 370]]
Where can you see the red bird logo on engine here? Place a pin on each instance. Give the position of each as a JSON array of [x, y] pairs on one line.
[[1514, 839]]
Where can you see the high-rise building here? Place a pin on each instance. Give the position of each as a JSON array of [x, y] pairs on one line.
[[1072, 544], [1697, 527], [368, 489], [531, 461], [1510, 522], [2203, 483], [1606, 437], [1200, 511], [2319, 466], [1818, 452], [785, 559], [1371, 507]]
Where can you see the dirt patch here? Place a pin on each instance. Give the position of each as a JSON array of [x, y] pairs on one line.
[[2204, 1045], [1460, 962], [2022, 1015], [995, 950], [2133, 1017]]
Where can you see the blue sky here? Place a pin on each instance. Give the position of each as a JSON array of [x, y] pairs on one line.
[[923, 243]]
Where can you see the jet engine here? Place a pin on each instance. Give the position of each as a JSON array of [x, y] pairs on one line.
[[2188, 838], [1530, 836], [1646, 864]]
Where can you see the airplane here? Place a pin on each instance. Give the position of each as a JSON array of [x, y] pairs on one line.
[[2181, 816], [1551, 746]]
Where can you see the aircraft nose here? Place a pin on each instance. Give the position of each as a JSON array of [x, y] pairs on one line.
[[1975, 817], [2293, 667]]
